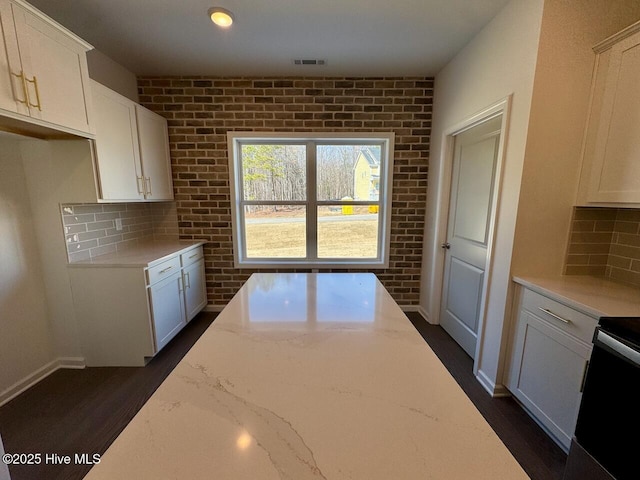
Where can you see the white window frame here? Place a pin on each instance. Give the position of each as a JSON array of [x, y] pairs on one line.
[[384, 139]]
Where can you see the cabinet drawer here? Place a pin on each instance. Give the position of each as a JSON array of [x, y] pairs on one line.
[[163, 270], [191, 256], [559, 315]]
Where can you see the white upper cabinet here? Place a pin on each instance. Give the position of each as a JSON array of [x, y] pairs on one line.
[[43, 70], [118, 156], [611, 163], [132, 149], [154, 151]]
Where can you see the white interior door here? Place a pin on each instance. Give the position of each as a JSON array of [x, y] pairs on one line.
[[466, 246]]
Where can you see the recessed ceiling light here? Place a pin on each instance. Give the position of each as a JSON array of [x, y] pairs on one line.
[[221, 17]]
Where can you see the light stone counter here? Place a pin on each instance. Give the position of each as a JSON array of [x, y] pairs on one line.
[[143, 255], [309, 376], [595, 296]]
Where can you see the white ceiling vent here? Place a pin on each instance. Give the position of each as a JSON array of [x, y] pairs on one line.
[[310, 61]]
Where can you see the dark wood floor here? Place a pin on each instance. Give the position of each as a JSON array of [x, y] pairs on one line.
[[540, 457], [83, 411]]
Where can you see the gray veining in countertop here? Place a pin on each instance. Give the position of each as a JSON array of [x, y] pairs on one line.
[[309, 376]]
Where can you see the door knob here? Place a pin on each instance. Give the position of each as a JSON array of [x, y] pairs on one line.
[[446, 245]]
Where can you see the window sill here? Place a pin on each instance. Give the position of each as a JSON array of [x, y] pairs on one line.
[[279, 264]]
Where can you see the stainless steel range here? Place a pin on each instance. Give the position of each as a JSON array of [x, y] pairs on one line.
[[606, 445]]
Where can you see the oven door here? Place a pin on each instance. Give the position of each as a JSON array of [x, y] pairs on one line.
[[608, 423]]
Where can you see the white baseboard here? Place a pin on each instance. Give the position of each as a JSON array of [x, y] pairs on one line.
[[494, 389], [71, 362], [213, 308], [409, 308], [424, 313], [43, 372]]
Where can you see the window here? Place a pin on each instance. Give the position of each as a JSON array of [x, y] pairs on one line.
[[311, 199]]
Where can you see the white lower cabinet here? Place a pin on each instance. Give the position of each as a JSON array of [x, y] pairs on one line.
[[167, 308], [195, 288], [127, 314], [549, 357]]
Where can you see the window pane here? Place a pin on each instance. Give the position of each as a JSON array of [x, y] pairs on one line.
[[348, 172], [273, 172], [275, 231], [347, 231]]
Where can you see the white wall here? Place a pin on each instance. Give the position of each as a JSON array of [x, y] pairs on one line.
[[544, 58], [111, 74], [25, 330], [556, 127], [50, 168], [498, 62]]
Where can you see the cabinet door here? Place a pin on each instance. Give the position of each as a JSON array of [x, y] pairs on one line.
[[615, 174], [167, 309], [117, 150], [154, 154], [55, 67], [195, 290], [546, 374], [12, 94]]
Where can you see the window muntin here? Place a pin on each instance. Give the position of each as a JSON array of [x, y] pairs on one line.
[[282, 217]]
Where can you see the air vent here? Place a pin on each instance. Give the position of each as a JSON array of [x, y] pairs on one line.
[[312, 61]]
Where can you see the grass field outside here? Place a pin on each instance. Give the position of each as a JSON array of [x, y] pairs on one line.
[[283, 234]]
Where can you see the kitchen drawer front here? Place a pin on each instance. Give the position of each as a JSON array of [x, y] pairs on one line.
[[555, 313], [192, 256], [163, 270]]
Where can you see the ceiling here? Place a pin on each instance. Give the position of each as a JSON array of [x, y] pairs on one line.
[[355, 37]]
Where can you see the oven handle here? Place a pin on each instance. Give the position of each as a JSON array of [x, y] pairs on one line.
[[625, 351]]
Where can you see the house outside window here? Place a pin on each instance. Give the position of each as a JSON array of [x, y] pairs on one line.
[[311, 200]]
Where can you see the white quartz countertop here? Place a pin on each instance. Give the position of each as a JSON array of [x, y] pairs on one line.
[[143, 255], [595, 296], [309, 376]]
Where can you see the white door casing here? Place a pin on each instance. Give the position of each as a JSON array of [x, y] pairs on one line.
[[468, 232]]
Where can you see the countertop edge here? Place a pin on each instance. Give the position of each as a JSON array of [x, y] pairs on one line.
[[593, 296], [570, 302], [116, 263]]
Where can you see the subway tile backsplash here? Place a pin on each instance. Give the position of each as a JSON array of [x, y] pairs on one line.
[[95, 229], [605, 241]]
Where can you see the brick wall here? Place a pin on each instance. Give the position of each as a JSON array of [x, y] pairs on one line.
[[201, 110], [605, 241]]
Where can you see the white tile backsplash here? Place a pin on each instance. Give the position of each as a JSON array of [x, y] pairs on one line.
[[90, 229]]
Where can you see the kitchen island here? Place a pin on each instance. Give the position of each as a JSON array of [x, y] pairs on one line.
[[309, 376]]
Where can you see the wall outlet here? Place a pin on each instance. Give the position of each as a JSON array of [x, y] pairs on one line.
[[118, 224]]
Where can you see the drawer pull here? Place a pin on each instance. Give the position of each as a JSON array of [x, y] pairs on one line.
[[166, 269], [557, 317], [193, 256]]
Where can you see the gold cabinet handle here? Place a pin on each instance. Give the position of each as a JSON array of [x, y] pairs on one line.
[[140, 181], [166, 269], [34, 80], [23, 82], [188, 280], [148, 192]]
